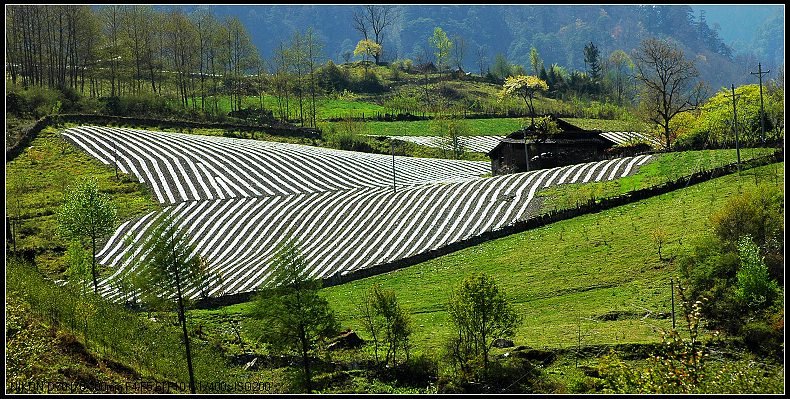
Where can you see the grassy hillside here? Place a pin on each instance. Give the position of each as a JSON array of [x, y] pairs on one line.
[[43, 358], [35, 184], [661, 169], [410, 92]]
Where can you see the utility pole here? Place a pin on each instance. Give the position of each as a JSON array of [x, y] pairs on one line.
[[735, 125], [526, 148], [760, 74], [115, 156], [392, 149]]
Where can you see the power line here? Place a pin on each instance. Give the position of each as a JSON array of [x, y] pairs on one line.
[[392, 148]]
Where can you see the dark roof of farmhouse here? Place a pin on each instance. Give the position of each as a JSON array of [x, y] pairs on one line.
[[569, 134]]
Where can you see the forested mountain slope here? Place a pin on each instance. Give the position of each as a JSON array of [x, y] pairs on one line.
[[558, 32]]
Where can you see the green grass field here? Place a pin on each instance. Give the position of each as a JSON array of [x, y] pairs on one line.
[[491, 126], [326, 107], [474, 127], [663, 168]]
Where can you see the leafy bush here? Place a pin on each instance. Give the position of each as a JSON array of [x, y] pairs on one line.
[[733, 269], [762, 338], [331, 78], [689, 135], [728, 377], [348, 135], [480, 313], [754, 289], [693, 140], [368, 83], [388, 323], [33, 102], [678, 368], [710, 272], [757, 212], [143, 105], [716, 115], [253, 115], [419, 370]]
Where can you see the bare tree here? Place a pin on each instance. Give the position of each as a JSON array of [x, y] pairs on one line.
[[314, 50], [669, 83], [204, 23], [459, 51], [482, 58], [280, 67], [132, 20], [112, 28], [374, 19]]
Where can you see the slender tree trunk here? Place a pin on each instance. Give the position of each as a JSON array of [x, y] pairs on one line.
[[183, 319], [308, 379], [93, 265]]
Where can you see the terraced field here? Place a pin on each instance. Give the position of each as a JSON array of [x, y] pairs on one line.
[[183, 167], [469, 143], [625, 137], [485, 144], [341, 210]]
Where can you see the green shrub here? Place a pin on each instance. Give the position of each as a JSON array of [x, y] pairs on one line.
[[720, 377], [733, 269], [513, 375], [693, 140], [348, 135], [369, 83], [33, 102], [758, 212], [331, 78], [143, 105], [755, 288], [679, 367], [419, 370], [761, 338], [71, 100], [586, 385]]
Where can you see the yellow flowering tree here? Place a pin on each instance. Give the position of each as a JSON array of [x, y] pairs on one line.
[[525, 87], [367, 48]]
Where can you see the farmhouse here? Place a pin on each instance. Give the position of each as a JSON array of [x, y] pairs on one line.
[[427, 67], [570, 145]]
